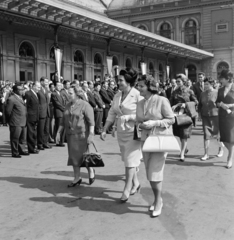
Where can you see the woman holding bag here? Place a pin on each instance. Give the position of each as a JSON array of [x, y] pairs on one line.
[[153, 113], [78, 121], [179, 98], [123, 113]]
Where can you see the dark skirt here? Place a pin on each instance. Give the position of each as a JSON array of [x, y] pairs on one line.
[[210, 126], [183, 132], [226, 128]]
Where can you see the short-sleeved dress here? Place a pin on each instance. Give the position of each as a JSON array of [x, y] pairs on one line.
[[77, 120], [226, 121], [130, 149]]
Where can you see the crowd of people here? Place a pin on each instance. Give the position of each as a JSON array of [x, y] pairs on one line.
[[43, 113]]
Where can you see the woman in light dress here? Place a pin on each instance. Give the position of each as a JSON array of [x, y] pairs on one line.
[[123, 112]]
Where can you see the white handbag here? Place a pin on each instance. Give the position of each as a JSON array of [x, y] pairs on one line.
[[165, 142]]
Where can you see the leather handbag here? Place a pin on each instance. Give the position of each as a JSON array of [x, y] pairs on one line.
[[157, 142], [183, 119], [92, 159], [136, 133]]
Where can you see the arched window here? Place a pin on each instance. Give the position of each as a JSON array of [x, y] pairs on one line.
[[221, 66], [97, 59], [128, 63], [151, 69], [79, 65], [165, 30], [143, 27], [161, 72], [190, 32], [115, 61], [27, 62], [192, 72]]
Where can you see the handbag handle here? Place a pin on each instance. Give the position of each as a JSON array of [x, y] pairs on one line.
[[93, 146], [154, 128]]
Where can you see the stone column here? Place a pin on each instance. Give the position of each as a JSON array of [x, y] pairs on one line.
[[177, 29], [153, 26]]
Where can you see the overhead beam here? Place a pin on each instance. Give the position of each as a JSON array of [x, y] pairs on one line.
[[16, 4]]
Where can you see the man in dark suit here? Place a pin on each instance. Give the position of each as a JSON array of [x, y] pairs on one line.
[[44, 115], [110, 90], [107, 101], [59, 107], [171, 89], [198, 87], [16, 114], [51, 107], [88, 95], [64, 92], [32, 104]]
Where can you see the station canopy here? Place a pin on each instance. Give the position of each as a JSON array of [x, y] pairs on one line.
[[70, 15]]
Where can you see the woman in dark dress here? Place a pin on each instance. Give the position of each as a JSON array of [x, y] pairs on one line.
[[178, 100], [225, 102]]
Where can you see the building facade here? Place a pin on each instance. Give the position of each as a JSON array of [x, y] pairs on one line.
[[205, 24], [29, 31]]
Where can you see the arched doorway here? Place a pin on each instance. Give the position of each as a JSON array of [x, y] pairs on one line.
[[192, 72], [128, 63], [161, 72], [26, 62], [151, 69], [222, 66], [79, 65], [97, 66], [115, 61]]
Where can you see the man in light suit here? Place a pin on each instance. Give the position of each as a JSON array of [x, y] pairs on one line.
[[16, 114], [32, 104], [59, 107]]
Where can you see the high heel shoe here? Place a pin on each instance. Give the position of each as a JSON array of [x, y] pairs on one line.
[[123, 200], [220, 154], [74, 184], [204, 158], [151, 208], [91, 180], [229, 165], [137, 190], [156, 213]]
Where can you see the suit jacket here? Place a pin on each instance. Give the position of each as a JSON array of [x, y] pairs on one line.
[[158, 108], [127, 107], [58, 103], [169, 92], [105, 97], [111, 93], [32, 104], [44, 101], [91, 99], [16, 111], [65, 96], [197, 89], [98, 101]]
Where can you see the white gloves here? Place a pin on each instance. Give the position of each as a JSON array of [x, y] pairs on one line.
[[124, 121]]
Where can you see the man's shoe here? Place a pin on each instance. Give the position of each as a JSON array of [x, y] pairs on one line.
[[34, 151], [60, 145], [47, 146], [40, 148], [24, 153], [16, 156]]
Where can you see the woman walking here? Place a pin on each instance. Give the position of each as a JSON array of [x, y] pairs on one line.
[[225, 102], [154, 113], [179, 98], [209, 115], [78, 121], [123, 111]]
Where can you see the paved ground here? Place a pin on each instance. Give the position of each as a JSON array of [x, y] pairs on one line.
[[35, 202]]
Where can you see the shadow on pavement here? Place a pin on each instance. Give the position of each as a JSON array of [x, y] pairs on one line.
[[5, 150], [111, 178], [189, 163], [88, 198]]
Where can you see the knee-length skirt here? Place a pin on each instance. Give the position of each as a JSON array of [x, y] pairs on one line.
[[226, 128], [210, 126]]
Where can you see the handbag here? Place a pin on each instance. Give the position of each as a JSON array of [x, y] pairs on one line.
[[183, 119], [136, 133], [161, 142], [92, 159]]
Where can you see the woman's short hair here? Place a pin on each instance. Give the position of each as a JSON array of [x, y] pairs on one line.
[[151, 83], [78, 91], [130, 75], [228, 75], [210, 81], [182, 77]]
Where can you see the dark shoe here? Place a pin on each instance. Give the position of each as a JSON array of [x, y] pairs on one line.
[[47, 146], [60, 145], [123, 200], [16, 156], [74, 184], [137, 190], [91, 180], [34, 151], [24, 154], [40, 148], [182, 159]]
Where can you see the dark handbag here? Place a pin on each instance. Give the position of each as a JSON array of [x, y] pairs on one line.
[[183, 119], [92, 159], [136, 133]]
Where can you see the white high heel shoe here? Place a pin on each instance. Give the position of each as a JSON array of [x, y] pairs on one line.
[[156, 213], [151, 208]]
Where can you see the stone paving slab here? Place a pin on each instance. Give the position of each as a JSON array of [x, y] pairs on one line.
[[35, 202]]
